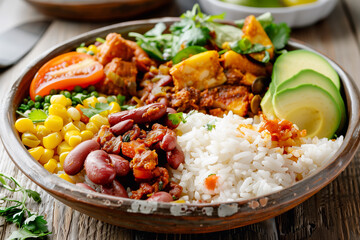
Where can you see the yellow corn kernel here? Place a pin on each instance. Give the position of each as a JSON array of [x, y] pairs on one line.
[[41, 131], [51, 165], [104, 113], [54, 123], [30, 140], [69, 127], [24, 125], [52, 140], [62, 157], [86, 135], [59, 167], [92, 127], [99, 120], [36, 152], [102, 99], [58, 99], [73, 138], [67, 178], [58, 110], [179, 201], [115, 107], [90, 101], [45, 157], [68, 102], [74, 113], [80, 125], [63, 147], [92, 48]]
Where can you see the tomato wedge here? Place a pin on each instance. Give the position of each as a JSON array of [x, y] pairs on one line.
[[65, 72]]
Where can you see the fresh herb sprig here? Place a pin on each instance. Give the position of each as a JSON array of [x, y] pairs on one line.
[[30, 224], [99, 107]]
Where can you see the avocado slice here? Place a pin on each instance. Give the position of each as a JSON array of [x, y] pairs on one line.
[[309, 107], [267, 106], [290, 63], [308, 76]]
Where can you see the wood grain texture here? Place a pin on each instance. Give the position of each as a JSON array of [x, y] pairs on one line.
[[333, 213]]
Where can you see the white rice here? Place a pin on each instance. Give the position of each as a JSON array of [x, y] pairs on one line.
[[246, 166]]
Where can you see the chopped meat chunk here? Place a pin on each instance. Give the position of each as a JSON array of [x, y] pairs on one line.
[[253, 31], [200, 71], [108, 141], [175, 190], [145, 189], [120, 78], [240, 70], [144, 159], [114, 47], [230, 98], [185, 100]]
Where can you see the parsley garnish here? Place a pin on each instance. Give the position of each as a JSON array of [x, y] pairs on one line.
[[161, 185], [176, 118], [244, 46], [99, 107], [30, 224], [127, 107], [210, 126], [126, 138], [37, 116]]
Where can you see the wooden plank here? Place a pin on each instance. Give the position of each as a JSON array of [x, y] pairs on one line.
[[353, 10]]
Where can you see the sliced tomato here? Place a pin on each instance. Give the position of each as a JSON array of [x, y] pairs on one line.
[[65, 72]]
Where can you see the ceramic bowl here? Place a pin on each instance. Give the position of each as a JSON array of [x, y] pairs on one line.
[[297, 16], [96, 10], [169, 217]]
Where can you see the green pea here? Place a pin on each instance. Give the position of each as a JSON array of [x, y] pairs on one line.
[[37, 105], [91, 89], [46, 105], [73, 103], [47, 99], [94, 93], [38, 98], [31, 103], [25, 101], [42, 104], [85, 92], [73, 93], [78, 89], [67, 94]]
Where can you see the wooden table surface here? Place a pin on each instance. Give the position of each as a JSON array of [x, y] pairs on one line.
[[333, 213]]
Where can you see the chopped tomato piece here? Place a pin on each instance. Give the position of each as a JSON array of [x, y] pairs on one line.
[[65, 72], [211, 181], [141, 173], [83, 118]]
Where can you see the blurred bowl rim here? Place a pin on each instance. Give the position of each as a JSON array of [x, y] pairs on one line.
[[267, 204], [275, 10]]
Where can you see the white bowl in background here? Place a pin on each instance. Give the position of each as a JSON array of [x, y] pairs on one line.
[[297, 16]]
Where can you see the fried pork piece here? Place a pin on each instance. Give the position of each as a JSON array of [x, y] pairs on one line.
[[185, 99], [240, 70], [117, 47], [253, 31], [200, 71], [114, 46], [228, 98], [120, 78]]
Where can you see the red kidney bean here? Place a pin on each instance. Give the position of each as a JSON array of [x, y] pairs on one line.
[[145, 114], [98, 167], [122, 127], [168, 122], [74, 161], [168, 142], [165, 80], [164, 101], [115, 188], [121, 165], [84, 185], [175, 157], [160, 197]]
